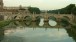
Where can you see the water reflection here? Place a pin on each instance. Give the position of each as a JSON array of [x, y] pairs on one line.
[[27, 34], [1, 34], [26, 31], [52, 22], [41, 22], [14, 39], [72, 33]]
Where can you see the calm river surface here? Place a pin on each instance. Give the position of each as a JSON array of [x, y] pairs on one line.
[[23, 32]]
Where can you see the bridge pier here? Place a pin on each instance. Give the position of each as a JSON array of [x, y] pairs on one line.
[[33, 24], [7, 18], [1, 17], [46, 24], [46, 20], [33, 19]]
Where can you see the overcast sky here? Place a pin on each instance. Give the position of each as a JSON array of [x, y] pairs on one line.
[[42, 4]]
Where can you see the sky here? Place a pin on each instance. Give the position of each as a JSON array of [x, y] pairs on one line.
[[42, 4]]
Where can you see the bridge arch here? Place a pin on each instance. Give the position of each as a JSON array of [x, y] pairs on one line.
[[66, 17], [52, 18], [15, 17], [65, 21], [28, 18], [38, 17]]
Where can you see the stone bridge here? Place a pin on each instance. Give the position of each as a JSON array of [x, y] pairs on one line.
[[46, 16]]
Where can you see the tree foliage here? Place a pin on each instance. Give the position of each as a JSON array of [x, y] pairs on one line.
[[66, 10], [34, 10], [74, 10]]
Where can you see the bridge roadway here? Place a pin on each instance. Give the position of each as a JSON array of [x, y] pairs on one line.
[[46, 16]]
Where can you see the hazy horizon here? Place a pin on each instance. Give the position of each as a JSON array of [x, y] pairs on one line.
[[42, 4]]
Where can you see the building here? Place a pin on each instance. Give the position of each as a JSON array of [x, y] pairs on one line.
[[13, 9]]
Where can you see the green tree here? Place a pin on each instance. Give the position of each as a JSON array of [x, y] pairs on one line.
[[74, 10], [34, 10], [69, 8], [65, 10]]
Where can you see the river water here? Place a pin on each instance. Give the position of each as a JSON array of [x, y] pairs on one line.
[[23, 32]]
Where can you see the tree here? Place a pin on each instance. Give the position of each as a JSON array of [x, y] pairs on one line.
[[69, 8], [65, 10], [74, 10], [34, 10]]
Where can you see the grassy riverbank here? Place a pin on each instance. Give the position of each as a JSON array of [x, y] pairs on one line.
[[4, 23]]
